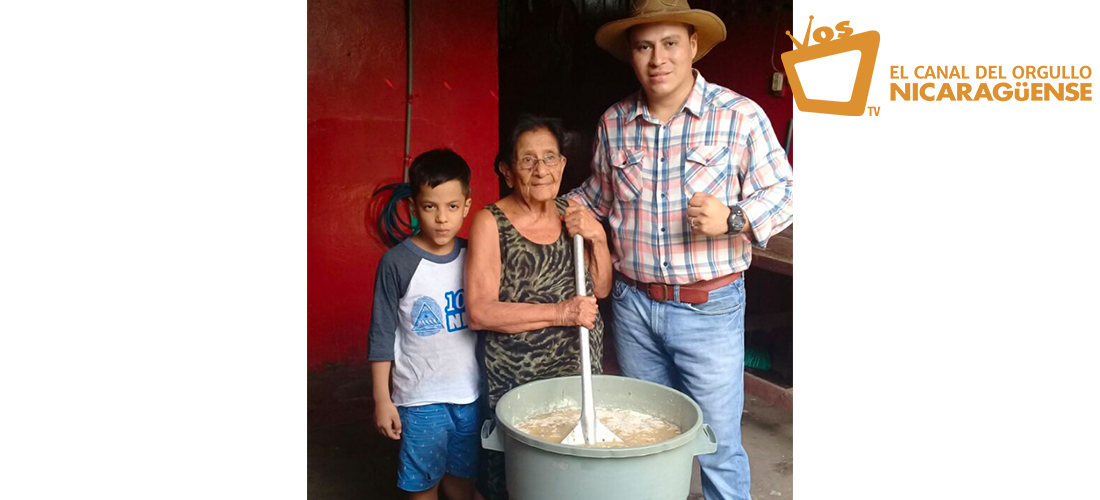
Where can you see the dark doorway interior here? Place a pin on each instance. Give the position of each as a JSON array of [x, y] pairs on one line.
[[549, 65]]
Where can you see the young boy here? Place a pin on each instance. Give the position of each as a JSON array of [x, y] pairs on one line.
[[418, 328]]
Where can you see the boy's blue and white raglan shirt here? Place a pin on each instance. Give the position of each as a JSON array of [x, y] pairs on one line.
[[419, 322]]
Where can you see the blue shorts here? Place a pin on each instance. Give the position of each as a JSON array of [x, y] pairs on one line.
[[437, 439]]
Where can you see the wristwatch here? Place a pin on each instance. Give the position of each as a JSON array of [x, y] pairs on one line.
[[736, 221]]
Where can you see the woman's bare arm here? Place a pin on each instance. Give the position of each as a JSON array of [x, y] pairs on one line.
[[483, 305]]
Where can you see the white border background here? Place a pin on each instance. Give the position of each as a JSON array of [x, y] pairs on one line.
[[153, 283], [945, 330], [153, 268]]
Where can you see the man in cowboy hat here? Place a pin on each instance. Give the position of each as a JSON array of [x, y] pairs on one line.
[[690, 176]]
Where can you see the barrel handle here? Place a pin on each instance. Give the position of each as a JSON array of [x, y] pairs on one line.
[[706, 442], [491, 438]]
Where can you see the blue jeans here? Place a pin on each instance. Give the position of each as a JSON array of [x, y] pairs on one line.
[[698, 349]]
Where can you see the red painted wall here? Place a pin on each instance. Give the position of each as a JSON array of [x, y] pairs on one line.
[[356, 97]]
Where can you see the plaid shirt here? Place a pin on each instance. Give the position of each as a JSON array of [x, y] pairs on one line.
[[644, 172]]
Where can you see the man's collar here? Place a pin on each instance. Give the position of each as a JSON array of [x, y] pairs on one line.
[[694, 103], [696, 98]]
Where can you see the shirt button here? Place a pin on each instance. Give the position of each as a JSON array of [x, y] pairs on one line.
[[666, 264], [662, 229], [663, 160]]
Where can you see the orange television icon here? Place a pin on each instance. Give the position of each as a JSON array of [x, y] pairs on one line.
[[866, 43]]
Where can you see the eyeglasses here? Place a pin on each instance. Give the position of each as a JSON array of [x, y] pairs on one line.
[[528, 163]]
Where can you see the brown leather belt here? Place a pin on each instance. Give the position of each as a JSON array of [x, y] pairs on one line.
[[695, 293]]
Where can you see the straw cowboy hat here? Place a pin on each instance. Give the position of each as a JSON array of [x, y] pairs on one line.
[[612, 36]]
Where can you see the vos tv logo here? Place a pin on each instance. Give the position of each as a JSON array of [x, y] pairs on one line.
[[845, 41]]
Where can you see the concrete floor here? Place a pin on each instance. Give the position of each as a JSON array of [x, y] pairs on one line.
[[767, 433], [348, 459]]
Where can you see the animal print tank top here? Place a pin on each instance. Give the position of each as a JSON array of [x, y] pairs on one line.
[[536, 274]]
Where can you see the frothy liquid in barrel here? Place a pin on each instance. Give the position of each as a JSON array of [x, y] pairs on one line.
[[634, 428]]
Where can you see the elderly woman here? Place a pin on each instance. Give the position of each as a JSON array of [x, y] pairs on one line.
[[520, 278]]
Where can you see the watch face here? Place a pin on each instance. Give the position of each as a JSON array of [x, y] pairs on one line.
[[736, 220]]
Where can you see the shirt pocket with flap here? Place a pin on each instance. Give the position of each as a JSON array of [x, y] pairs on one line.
[[627, 173], [706, 170]]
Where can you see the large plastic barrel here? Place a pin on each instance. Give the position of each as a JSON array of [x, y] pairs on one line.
[[541, 470]]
